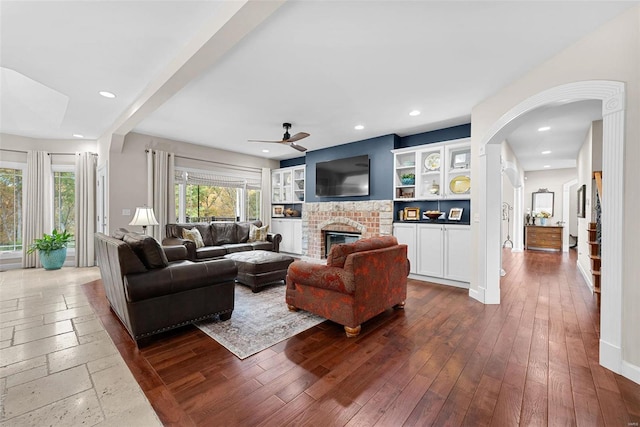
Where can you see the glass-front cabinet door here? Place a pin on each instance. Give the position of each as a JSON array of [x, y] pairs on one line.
[[276, 187], [287, 186], [431, 164], [458, 171]]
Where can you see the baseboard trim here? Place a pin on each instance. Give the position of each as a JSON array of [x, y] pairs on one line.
[[611, 356], [586, 276], [476, 295], [631, 372]]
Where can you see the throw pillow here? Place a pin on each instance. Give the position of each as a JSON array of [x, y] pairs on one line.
[[258, 234], [193, 235], [148, 250]]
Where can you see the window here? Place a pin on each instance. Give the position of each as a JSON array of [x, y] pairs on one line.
[[10, 209], [64, 202], [203, 197]]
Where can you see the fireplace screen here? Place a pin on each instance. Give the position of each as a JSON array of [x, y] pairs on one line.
[[336, 238]]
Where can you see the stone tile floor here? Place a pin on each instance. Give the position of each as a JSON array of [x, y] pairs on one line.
[[58, 366]]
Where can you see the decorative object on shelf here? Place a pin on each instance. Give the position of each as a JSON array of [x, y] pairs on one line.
[[460, 184], [581, 201], [401, 215], [408, 179], [543, 215], [144, 216], [412, 214], [277, 211], [433, 215], [407, 193], [455, 214], [435, 188], [432, 162], [300, 184], [506, 216], [542, 200], [460, 160], [291, 212], [408, 163], [52, 249]]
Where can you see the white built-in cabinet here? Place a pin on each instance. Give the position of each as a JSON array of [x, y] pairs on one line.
[[291, 231], [438, 252], [440, 171], [287, 185]]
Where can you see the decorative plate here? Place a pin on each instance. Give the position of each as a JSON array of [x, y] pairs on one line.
[[432, 162], [460, 184]]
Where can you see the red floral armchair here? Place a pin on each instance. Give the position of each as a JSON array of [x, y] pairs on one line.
[[360, 281]]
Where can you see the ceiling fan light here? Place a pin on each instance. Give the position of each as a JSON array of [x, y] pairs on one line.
[[358, 127]]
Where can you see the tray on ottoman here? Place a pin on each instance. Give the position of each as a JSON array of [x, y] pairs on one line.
[[259, 268]]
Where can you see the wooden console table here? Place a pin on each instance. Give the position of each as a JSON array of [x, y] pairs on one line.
[[546, 237]]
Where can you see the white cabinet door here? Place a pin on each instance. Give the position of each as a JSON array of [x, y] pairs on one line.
[[406, 234], [296, 236], [281, 226], [457, 253], [430, 245]]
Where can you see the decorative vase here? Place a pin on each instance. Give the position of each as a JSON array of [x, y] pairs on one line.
[[53, 260], [543, 221], [408, 181]]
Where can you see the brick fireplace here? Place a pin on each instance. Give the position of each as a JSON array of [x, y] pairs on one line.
[[366, 219]]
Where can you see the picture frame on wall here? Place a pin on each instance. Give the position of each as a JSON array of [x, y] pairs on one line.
[[277, 211], [581, 200]]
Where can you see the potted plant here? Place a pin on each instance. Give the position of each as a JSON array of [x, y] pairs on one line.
[[408, 178], [52, 249]]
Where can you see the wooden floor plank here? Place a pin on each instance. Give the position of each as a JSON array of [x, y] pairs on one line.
[[446, 360]]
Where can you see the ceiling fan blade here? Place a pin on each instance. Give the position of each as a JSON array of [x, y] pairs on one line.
[[261, 140], [297, 137], [296, 146]]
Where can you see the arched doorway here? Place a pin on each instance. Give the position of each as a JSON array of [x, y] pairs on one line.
[[612, 95]]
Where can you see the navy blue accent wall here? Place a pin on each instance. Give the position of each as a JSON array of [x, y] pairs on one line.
[[296, 161], [446, 134], [380, 162], [380, 167]]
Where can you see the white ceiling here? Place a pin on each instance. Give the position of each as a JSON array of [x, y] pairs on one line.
[[323, 66]]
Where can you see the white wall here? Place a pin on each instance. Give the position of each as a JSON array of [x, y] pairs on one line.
[[612, 52], [584, 178], [552, 180]]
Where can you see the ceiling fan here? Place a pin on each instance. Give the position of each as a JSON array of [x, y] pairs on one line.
[[288, 139]]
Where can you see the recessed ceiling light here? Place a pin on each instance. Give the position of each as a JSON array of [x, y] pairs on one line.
[[78, 135], [544, 128], [107, 94], [546, 166], [358, 127], [414, 113], [265, 151], [546, 152]]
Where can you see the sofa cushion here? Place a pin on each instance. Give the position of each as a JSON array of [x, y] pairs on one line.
[[119, 233], [339, 253], [193, 235], [148, 250], [258, 234], [242, 232], [238, 247], [223, 233], [130, 263], [211, 252]]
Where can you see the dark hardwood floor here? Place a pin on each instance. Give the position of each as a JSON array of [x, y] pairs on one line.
[[444, 360]]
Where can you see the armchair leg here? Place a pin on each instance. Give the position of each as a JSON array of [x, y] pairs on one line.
[[292, 308], [225, 316], [352, 332], [399, 306]]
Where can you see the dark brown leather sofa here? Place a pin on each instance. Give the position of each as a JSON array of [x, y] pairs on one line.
[[153, 289], [220, 238]]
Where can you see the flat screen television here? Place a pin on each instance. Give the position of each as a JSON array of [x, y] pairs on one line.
[[343, 177]]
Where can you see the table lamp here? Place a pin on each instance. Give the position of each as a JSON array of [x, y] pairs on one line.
[[144, 216]]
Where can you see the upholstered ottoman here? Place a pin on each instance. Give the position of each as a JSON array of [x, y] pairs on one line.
[[259, 268]]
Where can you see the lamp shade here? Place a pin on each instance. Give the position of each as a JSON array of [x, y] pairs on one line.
[[144, 216]]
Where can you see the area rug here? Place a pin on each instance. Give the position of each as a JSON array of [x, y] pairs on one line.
[[258, 321]]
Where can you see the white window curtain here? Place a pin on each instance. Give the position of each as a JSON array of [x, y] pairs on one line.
[[37, 203], [85, 209], [265, 209], [160, 189]]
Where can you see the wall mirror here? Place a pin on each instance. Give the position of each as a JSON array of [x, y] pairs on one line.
[[542, 200]]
